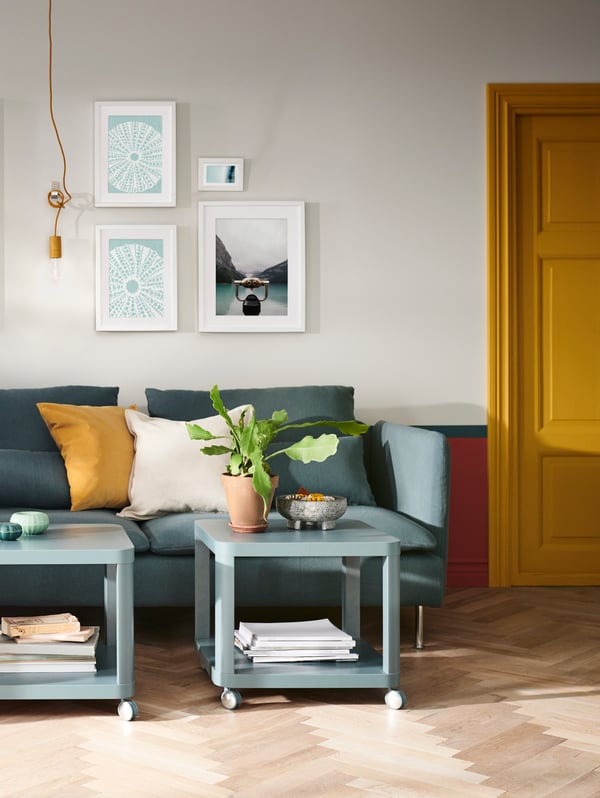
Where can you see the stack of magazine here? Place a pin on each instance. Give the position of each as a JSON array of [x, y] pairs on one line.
[[294, 641], [47, 644]]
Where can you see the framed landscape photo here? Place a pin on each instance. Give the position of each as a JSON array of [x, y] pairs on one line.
[[251, 266], [134, 154], [136, 277], [220, 174]]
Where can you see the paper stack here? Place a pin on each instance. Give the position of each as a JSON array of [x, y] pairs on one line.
[[294, 641], [47, 644]]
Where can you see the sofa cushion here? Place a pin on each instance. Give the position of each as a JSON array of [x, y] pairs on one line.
[[97, 449], [22, 426], [170, 474], [62, 517], [174, 534], [302, 403], [343, 474], [33, 479]]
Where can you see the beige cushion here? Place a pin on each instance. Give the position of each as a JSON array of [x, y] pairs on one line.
[[169, 473]]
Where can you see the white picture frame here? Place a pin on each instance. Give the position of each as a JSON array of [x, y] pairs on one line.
[[135, 154], [257, 241], [220, 174], [136, 277]]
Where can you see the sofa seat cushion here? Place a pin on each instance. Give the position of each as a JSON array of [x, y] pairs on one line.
[[174, 534], [302, 403], [414, 536], [135, 534]]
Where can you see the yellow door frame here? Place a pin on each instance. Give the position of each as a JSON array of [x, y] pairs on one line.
[[505, 103]]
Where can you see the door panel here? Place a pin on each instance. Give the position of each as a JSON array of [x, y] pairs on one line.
[[558, 343], [570, 184]]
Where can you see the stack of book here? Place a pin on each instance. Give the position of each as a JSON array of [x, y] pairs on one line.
[[47, 644], [295, 641]]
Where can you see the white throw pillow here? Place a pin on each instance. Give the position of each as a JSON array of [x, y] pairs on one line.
[[169, 473]]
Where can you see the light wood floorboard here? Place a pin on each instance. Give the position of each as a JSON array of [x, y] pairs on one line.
[[503, 701]]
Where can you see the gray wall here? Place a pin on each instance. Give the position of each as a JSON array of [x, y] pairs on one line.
[[371, 111]]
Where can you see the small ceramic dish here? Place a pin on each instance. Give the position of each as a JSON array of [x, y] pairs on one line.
[[10, 531], [33, 522]]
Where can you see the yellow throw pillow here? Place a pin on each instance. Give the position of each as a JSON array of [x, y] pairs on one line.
[[97, 449]]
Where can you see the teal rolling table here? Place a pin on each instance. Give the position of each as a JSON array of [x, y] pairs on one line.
[[350, 540], [84, 544]]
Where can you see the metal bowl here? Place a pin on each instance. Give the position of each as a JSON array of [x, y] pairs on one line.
[[302, 513]]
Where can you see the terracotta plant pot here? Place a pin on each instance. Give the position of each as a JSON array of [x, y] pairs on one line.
[[246, 509]]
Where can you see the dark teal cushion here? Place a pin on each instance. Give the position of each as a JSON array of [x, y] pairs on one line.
[[33, 480], [343, 474], [173, 534], [303, 403], [21, 425]]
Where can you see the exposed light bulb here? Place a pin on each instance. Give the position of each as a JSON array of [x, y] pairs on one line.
[[55, 256]]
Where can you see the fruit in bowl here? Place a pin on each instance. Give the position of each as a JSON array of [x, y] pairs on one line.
[[309, 510]]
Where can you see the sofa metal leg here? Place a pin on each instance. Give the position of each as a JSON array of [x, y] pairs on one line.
[[419, 618]]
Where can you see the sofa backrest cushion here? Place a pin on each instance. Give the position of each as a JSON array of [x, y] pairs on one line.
[[21, 425], [33, 479], [343, 474], [303, 403], [32, 471]]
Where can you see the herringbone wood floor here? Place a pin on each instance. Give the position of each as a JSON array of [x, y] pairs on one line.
[[503, 701]]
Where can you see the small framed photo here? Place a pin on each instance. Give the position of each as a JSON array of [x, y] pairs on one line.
[[136, 277], [134, 154], [220, 174], [251, 266]]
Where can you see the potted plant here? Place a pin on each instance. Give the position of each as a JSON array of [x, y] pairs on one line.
[[248, 469]]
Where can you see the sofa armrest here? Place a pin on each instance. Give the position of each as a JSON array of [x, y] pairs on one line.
[[409, 472]]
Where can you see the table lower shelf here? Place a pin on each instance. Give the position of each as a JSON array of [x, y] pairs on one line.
[[101, 684], [367, 671]]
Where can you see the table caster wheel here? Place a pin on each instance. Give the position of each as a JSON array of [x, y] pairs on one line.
[[127, 710], [231, 699], [395, 699]]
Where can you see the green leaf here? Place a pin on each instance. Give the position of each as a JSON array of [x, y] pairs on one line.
[[261, 482], [198, 433], [279, 417], [235, 464], [218, 404], [346, 427], [216, 450], [310, 449]]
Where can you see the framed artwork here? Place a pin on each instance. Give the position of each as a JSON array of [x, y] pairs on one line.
[[251, 266], [136, 277], [134, 154], [220, 174]]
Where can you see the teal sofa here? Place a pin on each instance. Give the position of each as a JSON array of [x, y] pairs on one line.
[[396, 478]]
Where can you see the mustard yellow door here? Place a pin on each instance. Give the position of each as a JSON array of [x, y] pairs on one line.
[[545, 339]]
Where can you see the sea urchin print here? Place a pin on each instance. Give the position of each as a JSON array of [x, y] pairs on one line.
[[136, 287], [134, 157]]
